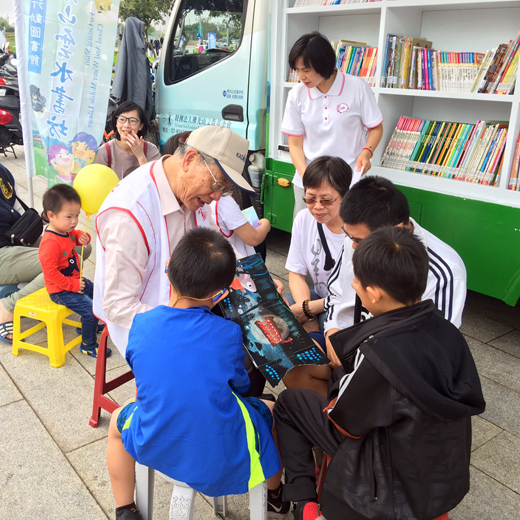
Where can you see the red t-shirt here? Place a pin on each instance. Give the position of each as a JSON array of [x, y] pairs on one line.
[[59, 261]]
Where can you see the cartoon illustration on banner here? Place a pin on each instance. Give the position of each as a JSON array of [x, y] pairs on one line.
[[70, 82]]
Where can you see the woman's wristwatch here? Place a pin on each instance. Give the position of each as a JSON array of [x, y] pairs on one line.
[[307, 312]]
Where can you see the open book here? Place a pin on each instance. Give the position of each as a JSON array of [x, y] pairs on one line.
[[273, 337]]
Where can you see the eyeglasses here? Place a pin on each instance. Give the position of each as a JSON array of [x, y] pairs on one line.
[[323, 202], [355, 240], [132, 121], [217, 186]]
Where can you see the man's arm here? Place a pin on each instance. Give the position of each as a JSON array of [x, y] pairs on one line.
[[126, 257]]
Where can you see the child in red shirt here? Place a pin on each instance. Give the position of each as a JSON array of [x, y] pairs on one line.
[[61, 206]]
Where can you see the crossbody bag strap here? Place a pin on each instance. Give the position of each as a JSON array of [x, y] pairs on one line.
[[329, 261], [109, 154], [22, 203]]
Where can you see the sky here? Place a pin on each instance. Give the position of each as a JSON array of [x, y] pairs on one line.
[[8, 9]]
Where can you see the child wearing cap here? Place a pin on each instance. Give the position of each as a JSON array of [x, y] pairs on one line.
[[188, 420]]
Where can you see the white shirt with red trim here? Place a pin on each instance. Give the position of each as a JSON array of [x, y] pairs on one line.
[[138, 226], [334, 123], [229, 216]]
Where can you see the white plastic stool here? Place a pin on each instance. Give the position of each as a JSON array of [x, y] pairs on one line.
[[183, 498]]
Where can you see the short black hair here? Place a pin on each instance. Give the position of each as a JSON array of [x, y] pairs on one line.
[[55, 197], [316, 52], [395, 260], [330, 170], [128, 106], [202, 263], [375, 202], [174, 142]]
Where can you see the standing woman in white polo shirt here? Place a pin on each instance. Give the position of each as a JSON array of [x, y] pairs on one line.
[[328, 113]]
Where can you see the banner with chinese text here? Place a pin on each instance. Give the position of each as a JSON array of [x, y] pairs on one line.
[[70, 53]]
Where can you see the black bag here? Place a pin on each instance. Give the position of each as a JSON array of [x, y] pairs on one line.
[[27, 229]]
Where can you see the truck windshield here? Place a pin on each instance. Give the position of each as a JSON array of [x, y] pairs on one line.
[[205, 32]]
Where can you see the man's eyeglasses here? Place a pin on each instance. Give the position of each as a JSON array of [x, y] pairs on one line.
[[132, 121], [324, 202], [218, 186], [355, 240]]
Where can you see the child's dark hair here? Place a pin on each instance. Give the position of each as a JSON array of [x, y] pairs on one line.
[[375, 202], [395, 260], [316, 52], [55, 197], [174, 142], [125, 107], [202, 264], [328, 170]]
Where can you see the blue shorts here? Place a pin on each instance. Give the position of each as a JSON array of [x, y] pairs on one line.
[[262, 409], [124, 415], [256, 403]]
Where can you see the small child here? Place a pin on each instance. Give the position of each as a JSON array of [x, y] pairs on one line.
[[398, 427], [188, 420], [60, 265]]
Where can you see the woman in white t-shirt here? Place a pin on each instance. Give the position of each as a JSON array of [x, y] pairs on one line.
[[328, 112], [316, 244]]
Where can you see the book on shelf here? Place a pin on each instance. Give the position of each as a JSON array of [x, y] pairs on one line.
[[413, 63], [513, 177], [461, 151], [357, 59]]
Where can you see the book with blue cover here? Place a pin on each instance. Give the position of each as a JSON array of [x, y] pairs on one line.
[[273, 337]]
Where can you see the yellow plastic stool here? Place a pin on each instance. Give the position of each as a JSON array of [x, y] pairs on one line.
[[39, 306]]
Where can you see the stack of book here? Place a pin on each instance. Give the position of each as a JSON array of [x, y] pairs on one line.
[[498, 71], [513, 178], [461, 151], [412, 63], [307, 3], [357, 59]]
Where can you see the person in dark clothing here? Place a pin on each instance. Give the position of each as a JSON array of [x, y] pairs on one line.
[[398, 425]]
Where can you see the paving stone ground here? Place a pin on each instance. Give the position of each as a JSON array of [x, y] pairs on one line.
[[52, 463]]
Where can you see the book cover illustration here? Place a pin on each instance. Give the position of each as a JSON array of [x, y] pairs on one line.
[[251, 216], [273, 337]]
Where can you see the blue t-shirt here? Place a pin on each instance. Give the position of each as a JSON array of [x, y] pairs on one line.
[[189, 422]]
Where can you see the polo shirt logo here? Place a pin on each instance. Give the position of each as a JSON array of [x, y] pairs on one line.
[[342, 107]]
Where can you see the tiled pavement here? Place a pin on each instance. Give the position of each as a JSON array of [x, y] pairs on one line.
[[52, 463]]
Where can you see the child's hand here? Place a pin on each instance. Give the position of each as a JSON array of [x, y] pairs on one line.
[[83, 239], [81, 286]]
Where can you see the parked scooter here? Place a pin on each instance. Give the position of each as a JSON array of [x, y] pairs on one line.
[[10, 127]]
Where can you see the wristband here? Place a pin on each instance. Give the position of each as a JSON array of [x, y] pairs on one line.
[[307, 312], [370, 150]]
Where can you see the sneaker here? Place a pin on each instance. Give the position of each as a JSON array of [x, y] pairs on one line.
[[92, 350], [307, 511], [128, 514], [276, 507]]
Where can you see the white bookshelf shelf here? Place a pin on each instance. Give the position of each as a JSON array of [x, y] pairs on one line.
[[452, 25]]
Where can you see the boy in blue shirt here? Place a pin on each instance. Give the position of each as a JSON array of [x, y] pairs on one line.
[[189, 421]]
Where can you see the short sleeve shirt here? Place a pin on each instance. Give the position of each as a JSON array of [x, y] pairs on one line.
[[306, 253], [334, 123], [229, 216]]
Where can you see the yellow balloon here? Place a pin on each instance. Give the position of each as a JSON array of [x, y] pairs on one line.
[[94, 183]]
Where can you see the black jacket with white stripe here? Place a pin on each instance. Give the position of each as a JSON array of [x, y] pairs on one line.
[[446, 283]]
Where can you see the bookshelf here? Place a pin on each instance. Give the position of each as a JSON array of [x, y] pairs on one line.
[[456, 26]]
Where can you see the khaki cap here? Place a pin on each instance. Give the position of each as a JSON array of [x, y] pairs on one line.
[[227, 148]]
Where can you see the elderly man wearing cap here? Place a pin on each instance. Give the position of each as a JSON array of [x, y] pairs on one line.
[[148, 212]]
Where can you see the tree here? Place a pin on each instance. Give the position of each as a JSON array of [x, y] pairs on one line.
[[148, 11], [4, 24]]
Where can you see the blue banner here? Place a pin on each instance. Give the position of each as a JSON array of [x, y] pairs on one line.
[[70, 53]]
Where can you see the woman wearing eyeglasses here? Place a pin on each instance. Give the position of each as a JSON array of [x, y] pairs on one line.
[[316, 243], [128, 149]]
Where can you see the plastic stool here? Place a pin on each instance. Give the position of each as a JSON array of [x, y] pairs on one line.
[[183, 498], [7, 290], [102, 386], [39, 306]]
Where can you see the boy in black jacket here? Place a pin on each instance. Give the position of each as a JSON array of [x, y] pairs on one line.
[[398, 427]]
